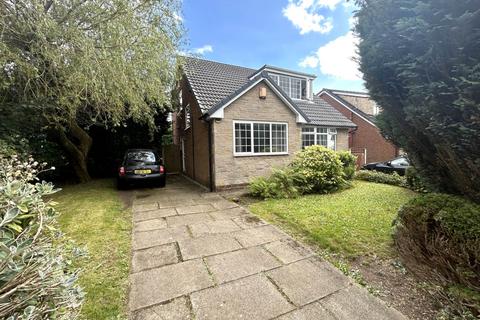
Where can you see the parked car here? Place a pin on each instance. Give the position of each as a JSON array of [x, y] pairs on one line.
[[398, 165], [141, 166]]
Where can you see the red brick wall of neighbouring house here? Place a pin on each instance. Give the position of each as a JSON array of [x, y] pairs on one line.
[[195, 138], [365, 136]]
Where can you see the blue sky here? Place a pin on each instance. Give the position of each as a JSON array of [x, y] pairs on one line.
[[306, 35]]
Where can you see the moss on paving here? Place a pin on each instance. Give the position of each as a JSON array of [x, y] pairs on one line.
[[92, 215], [353, 222]]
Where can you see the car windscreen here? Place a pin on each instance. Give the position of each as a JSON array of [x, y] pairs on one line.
[[135, 158]]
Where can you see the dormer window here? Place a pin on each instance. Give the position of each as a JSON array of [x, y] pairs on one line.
[[295, 88]]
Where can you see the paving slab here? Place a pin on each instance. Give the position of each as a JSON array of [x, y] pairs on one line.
[[221, 204], [139, 207], [146, 239], [211, 195], [176, 309], [308, 280], [148, 225], [175, 203], [213, 227], [227, 214], [154, 257], [288, 250], [248, 221], [238, 264], [183, 220], [161, 284], [207, 245], [197, 208], [251, 298], [356, 303], [258, 236], [154, 214], [314, 311]]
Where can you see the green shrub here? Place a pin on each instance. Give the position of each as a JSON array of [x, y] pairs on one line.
[[439, 234], [36, 279], [349, 162], [281, 184], [379, 177], [414, 181], [321, 168]]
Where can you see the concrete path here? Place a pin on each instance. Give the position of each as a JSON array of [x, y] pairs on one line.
[[199, 256]]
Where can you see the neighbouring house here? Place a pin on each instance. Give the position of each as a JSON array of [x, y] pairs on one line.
[[237, 123], [365, 140]]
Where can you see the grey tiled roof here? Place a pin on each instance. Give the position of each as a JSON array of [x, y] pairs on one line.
[[321, 113], [214, 83]]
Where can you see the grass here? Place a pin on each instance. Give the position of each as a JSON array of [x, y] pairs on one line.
[[354, 222], [92, 215]]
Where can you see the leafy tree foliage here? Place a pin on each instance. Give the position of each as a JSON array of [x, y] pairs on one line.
[[79, 63], [421, 63]]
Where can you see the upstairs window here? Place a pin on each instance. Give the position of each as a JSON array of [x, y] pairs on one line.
[[326, 137], [295, 88]]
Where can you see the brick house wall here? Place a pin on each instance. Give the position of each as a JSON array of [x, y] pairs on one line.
[[239, 170], [365, 136], [195, 139]]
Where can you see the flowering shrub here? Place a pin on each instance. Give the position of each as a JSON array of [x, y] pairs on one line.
[[315, 169], [321, 167], [36, 277]]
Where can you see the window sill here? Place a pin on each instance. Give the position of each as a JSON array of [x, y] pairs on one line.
[[241, 155]]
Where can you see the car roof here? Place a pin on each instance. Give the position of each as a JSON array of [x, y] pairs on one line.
[[133, 150]]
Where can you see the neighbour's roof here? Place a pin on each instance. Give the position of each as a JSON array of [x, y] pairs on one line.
[[338, 95], [214, 84]]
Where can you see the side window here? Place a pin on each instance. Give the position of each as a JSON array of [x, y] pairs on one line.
[[400, 162], [188, 116]]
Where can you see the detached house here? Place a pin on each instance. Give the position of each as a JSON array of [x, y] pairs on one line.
[[365, 141], [237, 123]]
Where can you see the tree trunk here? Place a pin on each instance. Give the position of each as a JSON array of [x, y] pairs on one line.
[[77, 148]]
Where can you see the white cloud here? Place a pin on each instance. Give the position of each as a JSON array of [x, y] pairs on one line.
[[336, 58], [304, 16], [202, 50], [309, 62]]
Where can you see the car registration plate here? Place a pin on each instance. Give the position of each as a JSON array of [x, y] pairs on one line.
[[143, 171]]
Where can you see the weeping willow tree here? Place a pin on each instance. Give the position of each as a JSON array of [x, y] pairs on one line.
[[77, 63]]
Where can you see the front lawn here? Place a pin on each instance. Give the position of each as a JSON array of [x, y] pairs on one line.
[[354, 222], [92, 215]]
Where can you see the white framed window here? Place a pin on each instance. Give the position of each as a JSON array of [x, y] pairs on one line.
[[188, 117], [326, 137], [274, 77], [295, 88], [260, 138]]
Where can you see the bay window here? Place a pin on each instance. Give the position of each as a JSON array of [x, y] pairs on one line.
[[260, 138], [326, 137]]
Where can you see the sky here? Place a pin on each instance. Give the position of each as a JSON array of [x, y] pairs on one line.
[[311, 36]]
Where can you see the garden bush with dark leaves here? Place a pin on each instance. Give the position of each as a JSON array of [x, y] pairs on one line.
[[438, 236]]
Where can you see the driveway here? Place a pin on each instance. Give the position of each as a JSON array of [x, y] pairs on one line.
[[199, 256]]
